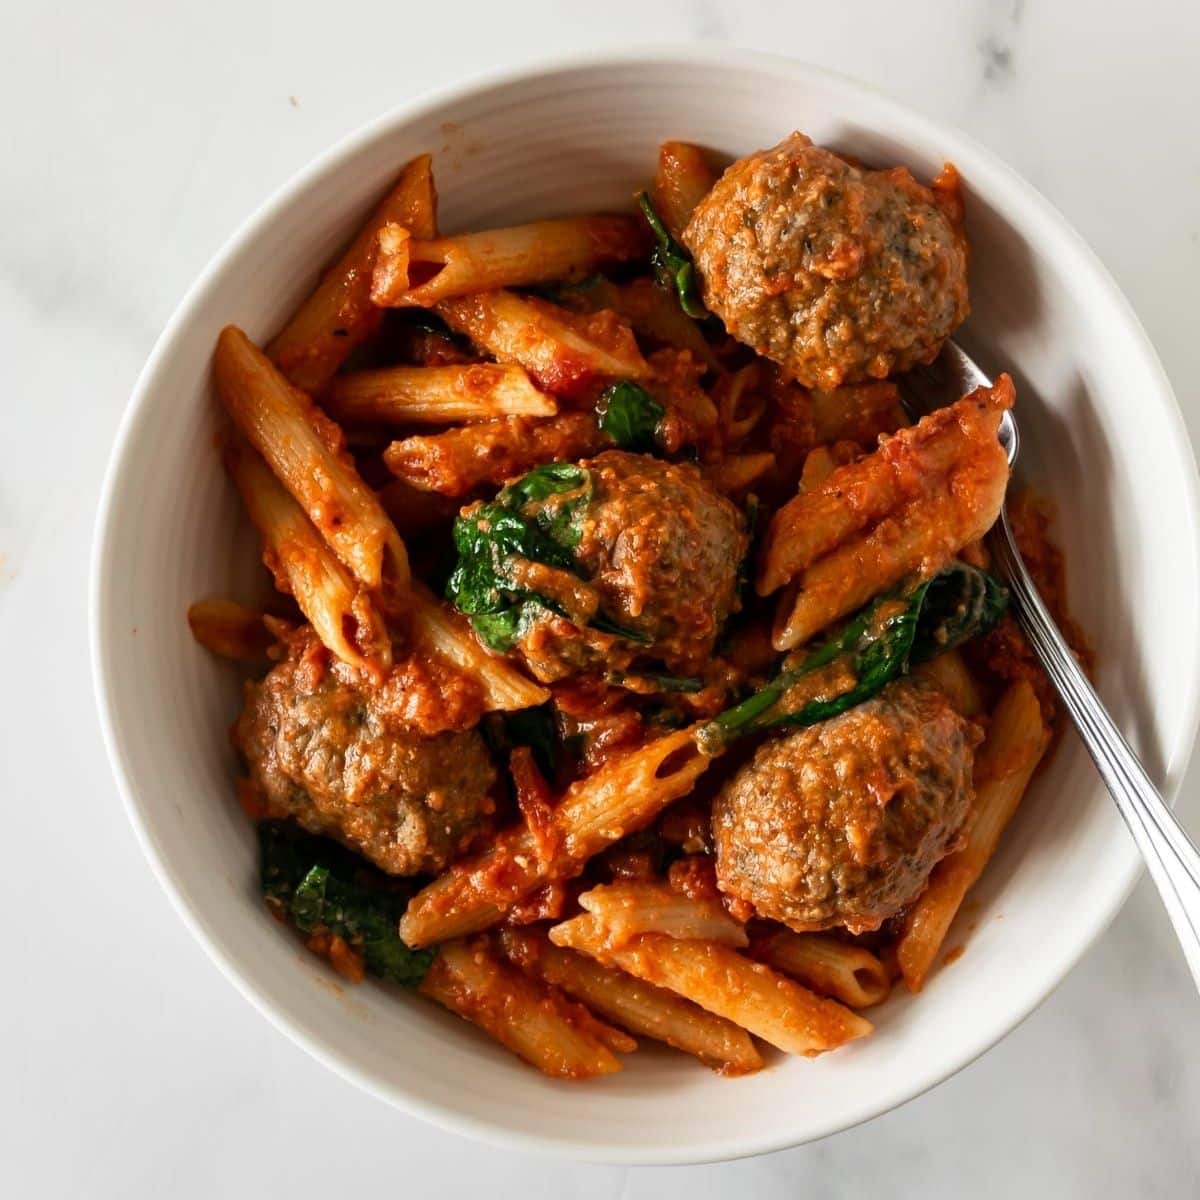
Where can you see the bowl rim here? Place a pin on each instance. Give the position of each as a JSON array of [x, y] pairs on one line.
[[103, 665]]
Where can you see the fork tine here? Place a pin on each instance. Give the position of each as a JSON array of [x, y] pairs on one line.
[[948, 378]]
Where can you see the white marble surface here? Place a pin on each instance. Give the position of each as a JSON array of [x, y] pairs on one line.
[[137, 135]]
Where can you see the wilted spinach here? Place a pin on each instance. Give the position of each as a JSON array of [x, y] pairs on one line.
[[672, 263], [630, 416], [317, 884], [524, 521], [876, 645]]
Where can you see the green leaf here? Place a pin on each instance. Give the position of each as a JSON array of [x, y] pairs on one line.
[[562, 521], [876, 645], [962, 602], [630, 416], [672, 263], [317, 884], [538, 518]]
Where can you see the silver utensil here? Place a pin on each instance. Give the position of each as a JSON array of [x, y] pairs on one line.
[[1171, 856]]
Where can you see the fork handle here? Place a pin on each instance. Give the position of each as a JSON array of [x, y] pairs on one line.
[[1171, 856]]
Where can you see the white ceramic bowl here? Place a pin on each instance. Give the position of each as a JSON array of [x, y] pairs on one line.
[[1101, 435]]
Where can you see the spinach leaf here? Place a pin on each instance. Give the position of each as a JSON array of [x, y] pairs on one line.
[[630, 416], [672, 263], [317, 884], [962, 602], [875, 646], [538, 518]]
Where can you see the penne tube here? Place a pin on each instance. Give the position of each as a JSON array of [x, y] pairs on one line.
[[740, 404], [626, 909], [458, 461], [536, 1023], [719, 979], [830, 967], [435, 395], [819, 464], [621, 797], [1016, 740], [736, 473], [651, 311], [415, 272], [304, 450], [564, 353], [633, 1004], [856, 412], [951, 674], [439, 631], [336, 605], [918, 540], [682, 180], [415, 512], [339, 315], [913, 463], [230, 630]]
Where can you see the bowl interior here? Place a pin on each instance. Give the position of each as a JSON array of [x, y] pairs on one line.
[[1101, 438]]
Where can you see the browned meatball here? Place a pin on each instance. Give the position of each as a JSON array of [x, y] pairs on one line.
[[661, 547], [837, 273], [841, 823], [339, 755]]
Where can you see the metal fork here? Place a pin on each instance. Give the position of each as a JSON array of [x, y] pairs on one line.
[[1171, 856]]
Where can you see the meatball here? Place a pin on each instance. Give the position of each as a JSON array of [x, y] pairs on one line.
[[837, 273], [339, 754], [661, 548], [841, 823]]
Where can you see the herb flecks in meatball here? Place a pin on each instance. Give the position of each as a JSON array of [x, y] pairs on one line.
[[837, 273], [358, 762], [841, 823]]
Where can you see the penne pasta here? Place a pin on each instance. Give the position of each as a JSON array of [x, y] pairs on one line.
[[856, 412], [535, 1022], [438, 631], [1016, 740], [626, 909], [950, 673], [736, 473], [303, 448], [740, 404], [921, 539], [651, 311], [339, 315], [917, 538], [230, 630], [414, 272], [338, 607], [622, 796], [913, 463], [436, 395], [415, 512], [633, 1004], [458, 461], [719, 979], [820, 463], [682, 180], [830, 967], [564, 353]]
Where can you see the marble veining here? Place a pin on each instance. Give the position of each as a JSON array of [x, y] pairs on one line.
[[137, 136]]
